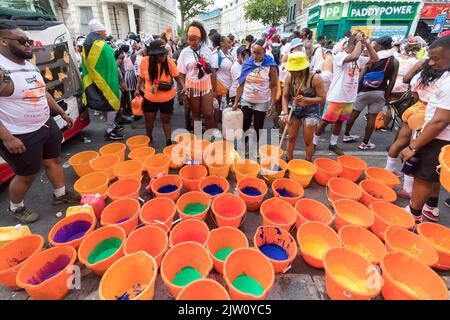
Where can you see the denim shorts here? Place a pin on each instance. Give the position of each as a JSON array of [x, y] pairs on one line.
[[263, 107], [311, 114]]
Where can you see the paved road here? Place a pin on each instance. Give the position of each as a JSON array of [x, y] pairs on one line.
[[300, 282]]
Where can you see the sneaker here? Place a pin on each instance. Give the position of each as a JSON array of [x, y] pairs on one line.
[[418, 219], [96, 113], [123, 121], [119, 128], [431, 213], [402, 193], [113, 136], [336, 149], [69, 197], [366, 146], [350, 138], [383, 129], [24, 215], [447, 202]]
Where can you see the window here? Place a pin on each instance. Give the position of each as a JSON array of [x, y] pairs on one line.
[[295, 11], [85, 16], [137, 20]]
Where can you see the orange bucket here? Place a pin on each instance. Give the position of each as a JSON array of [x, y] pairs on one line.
[[312, 210], [158, 212], [376, 191], [350, 212], [214, 186], [203, 289], [314, 239], [270, 166], [301, 171], [326, 169], [126, 188], [184, 255], [382, 175], [81, 162], [291, 191], [416, 121], [106, 163], [100, 249], [177, 154], [347, 276], [402, 240], [15, 254], [252, 200], [191, 176], [151, 239], [406, 278], [444, 161], [219, 165], [92, 183], [341, 188], [131, 277], [277, 245], [136, 106], [245, 265], [388, 214], [130, 169], [191, 230], [245, 168], [193, 205], [116, 148], [123, 213], [165, 181], [137, 142], [141, 153], [270, 151], [45, 275], [353, 167], [198, 150], [228, 210], [185, 138], [221, 242], [363, 242], [72, 230], [439, 237], [156, 164], [279, 213], [221, 147]]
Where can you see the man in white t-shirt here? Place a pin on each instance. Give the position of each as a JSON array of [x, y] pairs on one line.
[[29, 135], [344, 88], [434, 136]]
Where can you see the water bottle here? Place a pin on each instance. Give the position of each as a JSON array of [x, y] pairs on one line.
[[410, 165]]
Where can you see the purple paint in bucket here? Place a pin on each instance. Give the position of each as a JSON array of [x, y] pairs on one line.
[[49, 270], [72, 231]]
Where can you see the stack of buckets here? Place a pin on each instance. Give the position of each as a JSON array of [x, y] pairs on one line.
[[137, 240]]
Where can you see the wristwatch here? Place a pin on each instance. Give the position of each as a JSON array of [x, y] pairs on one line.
[[6, 79], [412, 149]]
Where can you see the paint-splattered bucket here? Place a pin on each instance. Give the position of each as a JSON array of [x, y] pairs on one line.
[[72, 230], [214, 186], [287, 190], [259, 190], [167, 186], [123, 213]]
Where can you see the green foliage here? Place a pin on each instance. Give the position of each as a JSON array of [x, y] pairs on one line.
[[268, 12], [191, 8]]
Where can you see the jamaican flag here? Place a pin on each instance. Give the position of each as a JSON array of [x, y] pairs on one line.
[[100, 75]]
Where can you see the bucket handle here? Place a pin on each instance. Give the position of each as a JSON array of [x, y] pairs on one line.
[[287, 269], [438, 169]]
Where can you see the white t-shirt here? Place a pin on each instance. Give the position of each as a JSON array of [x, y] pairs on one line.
[[440, 99], [257, 85], [235, 75], [424, 92], [26, 110], [339, 46], [317, 59], [404, 66], [344, 87], [224, 70], [187, 62], [286, 49]]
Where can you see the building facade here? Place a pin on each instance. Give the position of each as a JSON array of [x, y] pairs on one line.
[[211, 19], [430, 9], [290, 23], [119, 17]]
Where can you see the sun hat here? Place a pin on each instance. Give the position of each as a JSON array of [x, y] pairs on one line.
[[296, 42], [297, 61], [95, 26], [157, 47]]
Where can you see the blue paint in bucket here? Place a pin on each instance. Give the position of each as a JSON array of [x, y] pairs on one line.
[[286, 193], [251, 191], [122, 220], [274, 251], [276, 168], [168, 188], [213, 189], [72, 231]]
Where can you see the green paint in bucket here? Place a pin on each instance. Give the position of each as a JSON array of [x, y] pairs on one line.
[[223, 253], [195, 208], [104, 250], [248, 285], [186, 276]]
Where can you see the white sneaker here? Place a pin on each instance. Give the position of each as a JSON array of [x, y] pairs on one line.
[[368, 146], [418, 219], [431, 213], [351, 138]]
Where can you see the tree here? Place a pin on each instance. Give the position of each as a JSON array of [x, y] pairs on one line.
[[268, 12], [192, 8]]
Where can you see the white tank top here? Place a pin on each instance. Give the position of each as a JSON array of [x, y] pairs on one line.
[[26, 110], [257, 86]]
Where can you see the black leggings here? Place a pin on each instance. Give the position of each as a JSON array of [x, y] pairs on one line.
[[258, 120]]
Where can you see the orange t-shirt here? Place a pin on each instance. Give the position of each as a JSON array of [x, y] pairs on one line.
[[158, 96]]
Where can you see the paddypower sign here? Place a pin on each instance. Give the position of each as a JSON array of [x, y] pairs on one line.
[[382, 10]]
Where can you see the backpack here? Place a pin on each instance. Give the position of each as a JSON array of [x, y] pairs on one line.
[[374, 79], [276, 52]]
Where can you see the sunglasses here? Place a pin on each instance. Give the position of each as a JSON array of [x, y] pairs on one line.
[[22, 41]]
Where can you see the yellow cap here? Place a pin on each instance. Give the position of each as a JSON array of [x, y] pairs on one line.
[[297, 61]]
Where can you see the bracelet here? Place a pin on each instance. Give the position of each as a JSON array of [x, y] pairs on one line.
[[412, 149]]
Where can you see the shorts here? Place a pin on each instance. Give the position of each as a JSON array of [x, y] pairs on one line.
[[373, 100], [311, 114], [429, 160], [262, 107], [44, 143], [163, 107], [335, 111]]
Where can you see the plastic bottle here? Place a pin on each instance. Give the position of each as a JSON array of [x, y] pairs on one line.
[[85, 208], [97, 201], [232, 124], [11, 233]]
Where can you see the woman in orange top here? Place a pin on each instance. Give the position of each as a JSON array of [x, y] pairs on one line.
[[157, 71]]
